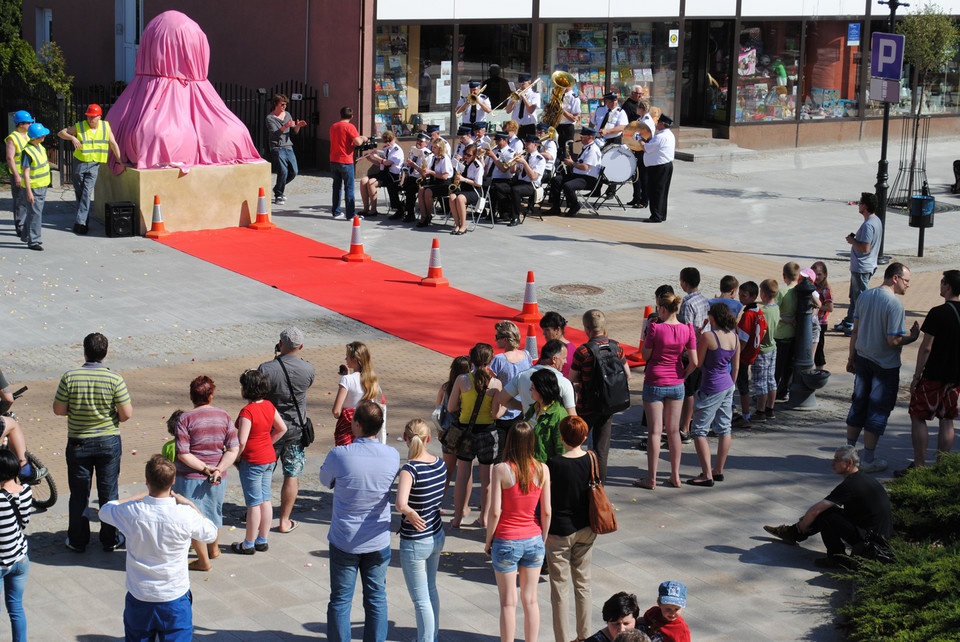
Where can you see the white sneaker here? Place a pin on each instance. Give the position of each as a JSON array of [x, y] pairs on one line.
[[339, 216], [876, 466]]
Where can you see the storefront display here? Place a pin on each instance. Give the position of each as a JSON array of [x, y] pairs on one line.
[[581, 49], [642, 56], [831, 71], [768, 70]]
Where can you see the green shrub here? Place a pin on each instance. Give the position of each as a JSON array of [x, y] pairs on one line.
[[926, 502], [915, 599]]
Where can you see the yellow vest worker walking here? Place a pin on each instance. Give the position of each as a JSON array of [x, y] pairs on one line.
[[35, 174], [15, 143], [92, 142]]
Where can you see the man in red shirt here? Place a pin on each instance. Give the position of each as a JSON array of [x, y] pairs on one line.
[[343, 138]]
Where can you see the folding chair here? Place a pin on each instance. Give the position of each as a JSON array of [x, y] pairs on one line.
[[583, 196], [482, 207], [538, 195]]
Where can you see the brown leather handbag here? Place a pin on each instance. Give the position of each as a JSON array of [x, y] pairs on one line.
[[602, 519]]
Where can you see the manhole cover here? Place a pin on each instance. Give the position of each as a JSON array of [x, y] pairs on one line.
[[577, 289]]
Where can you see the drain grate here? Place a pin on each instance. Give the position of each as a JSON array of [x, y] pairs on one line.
[[577, 289]]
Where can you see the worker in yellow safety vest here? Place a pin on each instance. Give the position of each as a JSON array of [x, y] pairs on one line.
[[15, 143], [92, 142], [35, 174]]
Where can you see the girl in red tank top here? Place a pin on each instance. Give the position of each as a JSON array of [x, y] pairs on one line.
[[514, 535]]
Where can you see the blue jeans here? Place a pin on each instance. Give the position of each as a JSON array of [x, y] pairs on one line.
[[874, 396], [100, 455], [419, 559], [84, 178], [343, 173], [169, 621], [285, 162], [859, 281], [14, 581], [32, 225], [343, 579]]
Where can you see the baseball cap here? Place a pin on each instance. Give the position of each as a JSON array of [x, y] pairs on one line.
[[673, 593], [292, 337]]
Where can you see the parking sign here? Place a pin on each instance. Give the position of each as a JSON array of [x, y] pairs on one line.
[[886, 56]]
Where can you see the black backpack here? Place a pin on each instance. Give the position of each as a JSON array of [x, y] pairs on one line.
[[611, 389]]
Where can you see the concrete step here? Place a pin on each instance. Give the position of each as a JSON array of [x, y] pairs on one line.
[[720, 151]]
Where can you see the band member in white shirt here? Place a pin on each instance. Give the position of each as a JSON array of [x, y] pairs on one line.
[[609, 121], [658, 158], [514, 142], [524, 111], [528, 173], [501, 174], [480, 134], [464, 138], [419, 157], [642, 108], [549, 150], [571, 115], [390, 161], [434, 132], [479, 110], [584, 175], [437, 173], [471, 187]]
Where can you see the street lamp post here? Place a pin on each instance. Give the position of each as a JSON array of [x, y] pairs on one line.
[[883, 167]]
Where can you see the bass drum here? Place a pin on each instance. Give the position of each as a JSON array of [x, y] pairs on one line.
[[619, 164]]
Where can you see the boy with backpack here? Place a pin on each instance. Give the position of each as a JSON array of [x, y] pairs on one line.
[[751, 329], [601, 379]]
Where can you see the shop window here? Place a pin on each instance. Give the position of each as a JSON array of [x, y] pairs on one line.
[[581, 49], [494, 55], [831, 70], [413, 77], [641, 55], [768, 70]]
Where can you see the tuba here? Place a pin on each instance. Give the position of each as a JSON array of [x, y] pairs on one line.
[[553, 112]]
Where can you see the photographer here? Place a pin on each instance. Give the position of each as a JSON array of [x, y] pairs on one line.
[[290, 376], [343, 138]]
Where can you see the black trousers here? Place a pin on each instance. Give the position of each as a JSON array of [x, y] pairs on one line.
[[835, 529], [518, 192], [410, 190], [783, 369], [564, 135], [569, 185], [640, 189], [500, 195], [659, 177]]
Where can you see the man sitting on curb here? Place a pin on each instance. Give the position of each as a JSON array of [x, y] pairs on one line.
[[857, 506]]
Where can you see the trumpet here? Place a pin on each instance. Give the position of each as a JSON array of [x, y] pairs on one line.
[[472, 98], [511, 162], [483, 151]]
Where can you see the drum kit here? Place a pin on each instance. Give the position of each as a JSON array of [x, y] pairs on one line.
[[619, 164]]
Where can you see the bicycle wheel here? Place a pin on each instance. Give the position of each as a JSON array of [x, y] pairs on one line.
[[45, 490]]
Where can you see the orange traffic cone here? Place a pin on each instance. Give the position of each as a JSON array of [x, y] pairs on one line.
[[356, 255], [531, 344], [157, 228], [636, 359], [530, 312], [263, 218], [434, 276]]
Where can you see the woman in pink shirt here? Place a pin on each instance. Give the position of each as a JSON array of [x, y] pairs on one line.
[[665, 343], [514, 534]]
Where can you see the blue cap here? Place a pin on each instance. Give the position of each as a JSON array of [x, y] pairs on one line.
[[433, 128], [474, 84], [666, 120], [22, 117], [542, 127], [674, 593], [531, 139], [464, 130], [523, 77], [37, 131], [477, 126], [588, 131], [501, 136], [422, 136]]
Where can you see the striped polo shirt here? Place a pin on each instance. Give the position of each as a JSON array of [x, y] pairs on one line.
[[425, 496], [92, 394]]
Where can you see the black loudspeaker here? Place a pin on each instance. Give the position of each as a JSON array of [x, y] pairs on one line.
[[119, 218]]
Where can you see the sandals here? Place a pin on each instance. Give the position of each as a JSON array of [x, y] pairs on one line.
[[645, 483]]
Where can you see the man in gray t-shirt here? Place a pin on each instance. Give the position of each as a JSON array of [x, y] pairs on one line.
[[879, 333], [864, 250], [290, 455], [279, 124]]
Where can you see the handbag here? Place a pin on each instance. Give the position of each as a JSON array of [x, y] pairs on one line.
[[307, 434], [602, 518], [457, 432], [442, 418]]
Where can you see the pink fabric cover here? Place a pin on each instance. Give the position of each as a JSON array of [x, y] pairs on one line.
[[170, 115]]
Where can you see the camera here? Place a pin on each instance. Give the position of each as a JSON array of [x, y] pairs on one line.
[[367, 146]]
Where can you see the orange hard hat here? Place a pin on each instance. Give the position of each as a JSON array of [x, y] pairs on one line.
[[94, 110]]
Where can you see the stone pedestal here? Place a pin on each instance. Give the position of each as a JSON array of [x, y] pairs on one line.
[[206, 197]]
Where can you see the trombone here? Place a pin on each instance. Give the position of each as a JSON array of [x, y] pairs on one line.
[[472, 98], [515, 96]]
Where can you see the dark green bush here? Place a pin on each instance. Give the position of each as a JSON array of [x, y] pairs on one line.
[[926, 502], [916, 598]]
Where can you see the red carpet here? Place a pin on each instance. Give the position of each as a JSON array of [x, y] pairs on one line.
[[447, 320]]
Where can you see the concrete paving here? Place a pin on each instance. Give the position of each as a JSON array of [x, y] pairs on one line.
[[169, 315]]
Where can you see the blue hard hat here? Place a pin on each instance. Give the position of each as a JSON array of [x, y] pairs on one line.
[[22, 117], [37, 130]]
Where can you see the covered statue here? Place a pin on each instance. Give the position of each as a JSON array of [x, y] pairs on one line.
[[170, 115]]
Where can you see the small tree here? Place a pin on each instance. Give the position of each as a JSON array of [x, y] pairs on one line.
[[930, 39]]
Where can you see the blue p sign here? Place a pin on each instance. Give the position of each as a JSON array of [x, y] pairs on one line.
[[886, 56]]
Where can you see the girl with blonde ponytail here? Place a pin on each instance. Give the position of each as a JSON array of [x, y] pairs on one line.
[[419, 493]]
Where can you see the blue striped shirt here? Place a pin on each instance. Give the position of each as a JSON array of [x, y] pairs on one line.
[[425, 496]]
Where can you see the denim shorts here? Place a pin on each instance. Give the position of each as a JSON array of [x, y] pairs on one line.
[[255, 480], [507, 554], [207, 497], [652, 394], [290, 457]]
